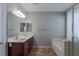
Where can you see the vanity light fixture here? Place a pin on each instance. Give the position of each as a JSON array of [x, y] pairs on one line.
[[18, 13]]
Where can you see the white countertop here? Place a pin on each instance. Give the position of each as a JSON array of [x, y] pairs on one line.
[[20, 39]]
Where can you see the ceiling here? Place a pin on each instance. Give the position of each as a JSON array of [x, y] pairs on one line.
[[46, 7]]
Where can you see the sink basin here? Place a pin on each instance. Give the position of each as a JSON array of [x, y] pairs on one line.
[[20, 38]]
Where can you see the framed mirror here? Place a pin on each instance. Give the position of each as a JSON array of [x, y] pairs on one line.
[[25, 27]]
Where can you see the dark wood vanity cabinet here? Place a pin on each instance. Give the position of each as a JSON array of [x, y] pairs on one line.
[[20, 48]]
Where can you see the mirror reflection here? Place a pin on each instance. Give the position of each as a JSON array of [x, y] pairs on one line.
[[25, 27]]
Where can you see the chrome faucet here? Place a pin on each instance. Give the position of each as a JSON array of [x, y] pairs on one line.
[[25, 34]]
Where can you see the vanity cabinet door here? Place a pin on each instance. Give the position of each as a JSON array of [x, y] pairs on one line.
[[26, 48], [15, 49], [30, 44]]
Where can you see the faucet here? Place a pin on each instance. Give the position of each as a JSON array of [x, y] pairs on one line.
[[25, 34]]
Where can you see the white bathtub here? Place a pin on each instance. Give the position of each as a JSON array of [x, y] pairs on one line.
[[60, 46]]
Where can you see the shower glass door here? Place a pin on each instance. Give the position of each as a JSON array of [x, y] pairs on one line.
[[75, 34]]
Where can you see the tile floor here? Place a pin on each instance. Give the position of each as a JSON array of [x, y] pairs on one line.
[[42, 52]]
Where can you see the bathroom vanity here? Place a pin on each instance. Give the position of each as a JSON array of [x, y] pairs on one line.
[[20, 46], [22, 43]]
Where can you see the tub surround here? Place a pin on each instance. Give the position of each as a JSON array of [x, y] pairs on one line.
[[60, 46], [60, 39]]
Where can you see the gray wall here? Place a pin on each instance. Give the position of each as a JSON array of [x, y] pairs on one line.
[[13, 20], [14, 24], [46, 25]]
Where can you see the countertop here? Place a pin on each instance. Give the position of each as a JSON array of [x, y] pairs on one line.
[[19, 39]]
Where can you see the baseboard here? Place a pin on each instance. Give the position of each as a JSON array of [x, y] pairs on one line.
[[41, 46]]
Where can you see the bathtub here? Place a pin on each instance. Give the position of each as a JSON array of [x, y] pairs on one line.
[[60, 46]]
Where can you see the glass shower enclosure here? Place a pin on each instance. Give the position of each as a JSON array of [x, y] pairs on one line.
[[73, 30]]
